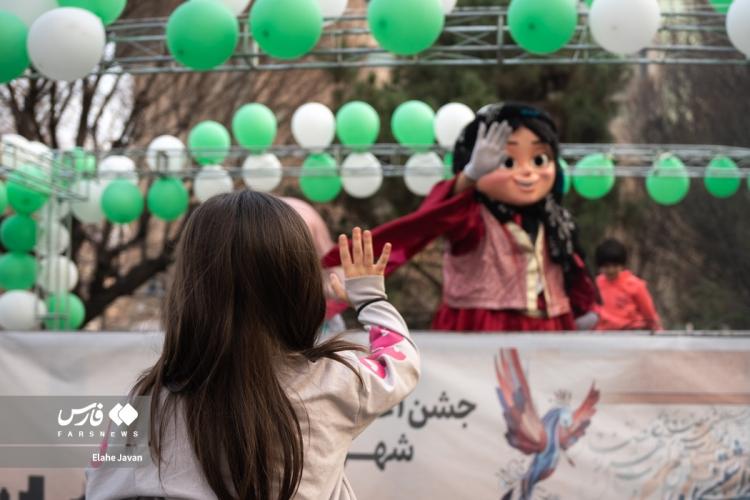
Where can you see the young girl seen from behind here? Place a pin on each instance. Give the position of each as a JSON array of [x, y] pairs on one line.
[[245, 404]]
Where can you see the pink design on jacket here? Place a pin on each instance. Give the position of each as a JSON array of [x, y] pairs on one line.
[[383, 343]]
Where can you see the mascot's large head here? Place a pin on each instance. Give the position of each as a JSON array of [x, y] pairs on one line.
[[532, 167]]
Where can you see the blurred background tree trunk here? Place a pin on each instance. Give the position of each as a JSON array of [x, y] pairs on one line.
[[694, 254]]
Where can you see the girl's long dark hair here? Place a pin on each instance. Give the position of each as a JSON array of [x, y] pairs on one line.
[[246, 297]]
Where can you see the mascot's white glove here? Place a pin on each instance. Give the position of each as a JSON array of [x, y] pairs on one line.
[[588, 321], [489, 149]]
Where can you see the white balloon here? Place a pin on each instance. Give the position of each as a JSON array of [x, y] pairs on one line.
[[361, 174], [738, 25], [57, 274], [13, 150], [332, 8], [236, 6], [210, 181], [53, 210], [52, 238], [166, 152], [117, 167], [448, 5], [450, 120], [262, 172], [40, 154], [313, 126], [66, 43], [40, 149], [28, 10], [14, 140], [423, 170], [624, 27], [89, 210], [21, 310]]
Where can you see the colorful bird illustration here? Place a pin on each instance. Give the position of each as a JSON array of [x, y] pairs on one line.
[[544, 438]]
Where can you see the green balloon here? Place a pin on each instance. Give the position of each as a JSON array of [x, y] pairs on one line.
[[286, 29], [448, 166], [716, 183], [167, 198], [721, 6], [357, 125], [668, 183], [320, 180], [412, 125], [28, 189], [209, 141], [599, 181], [588, 2], [405, 27], [17, 271], [14, 59], [3, 197], [254, 127], [107, 10], [542, 26], [18, 233], [67, 311], [202, 34], [122, 201], [566, 175], [76, 162]]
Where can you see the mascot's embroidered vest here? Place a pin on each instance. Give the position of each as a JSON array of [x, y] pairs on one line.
[[505, 271]]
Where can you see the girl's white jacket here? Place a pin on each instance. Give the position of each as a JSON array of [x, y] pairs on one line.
[[339, 408]]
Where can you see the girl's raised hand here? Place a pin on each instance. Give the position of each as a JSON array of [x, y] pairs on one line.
[[360, 261]]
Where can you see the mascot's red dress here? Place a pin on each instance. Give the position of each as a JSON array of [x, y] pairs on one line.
[[512, 262]]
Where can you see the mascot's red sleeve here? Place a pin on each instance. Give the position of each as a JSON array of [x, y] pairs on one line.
[[441, 214]]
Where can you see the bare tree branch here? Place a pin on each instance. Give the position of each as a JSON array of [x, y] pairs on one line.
[[103, 107], [87, 98]]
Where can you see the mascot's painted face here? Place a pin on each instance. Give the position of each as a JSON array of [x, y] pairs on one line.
[[527, 175]]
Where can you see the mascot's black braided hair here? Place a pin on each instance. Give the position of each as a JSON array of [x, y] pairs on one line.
[[559, 227]]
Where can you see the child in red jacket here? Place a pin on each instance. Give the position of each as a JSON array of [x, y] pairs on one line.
[[627, 305]]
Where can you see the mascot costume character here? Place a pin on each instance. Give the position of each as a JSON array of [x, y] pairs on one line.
[[512, 261]]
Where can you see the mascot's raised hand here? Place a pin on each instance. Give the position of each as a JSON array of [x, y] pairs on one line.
[[489, 150]]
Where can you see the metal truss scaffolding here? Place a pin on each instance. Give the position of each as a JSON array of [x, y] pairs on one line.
[[477, 36], [630, 160]]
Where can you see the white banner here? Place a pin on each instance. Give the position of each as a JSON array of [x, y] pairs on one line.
[[494, 416]]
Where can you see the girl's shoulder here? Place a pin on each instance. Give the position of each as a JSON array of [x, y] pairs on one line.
[[324, 375], [328, 389]]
